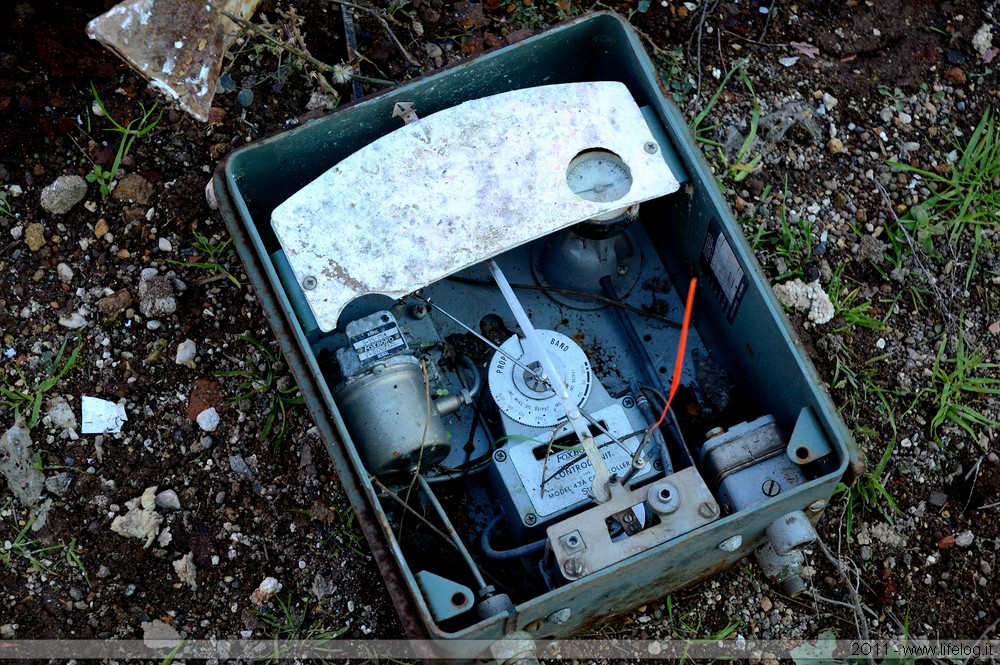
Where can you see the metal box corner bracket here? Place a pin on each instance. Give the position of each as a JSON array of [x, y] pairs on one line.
[[327, 214]]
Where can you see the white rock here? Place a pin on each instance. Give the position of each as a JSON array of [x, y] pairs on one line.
[[74, 321], [16, 232], [982, 41], [138, 523], [65, 273], [208, 419], [829, 101], [186, 352], [168, 500], [159, 635], [809, 298], [165, 537], [165, 245], [148, 498], [265, 591], [964, 539], [61, 414], [186, 570]]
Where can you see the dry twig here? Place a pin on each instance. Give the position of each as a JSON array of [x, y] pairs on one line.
[[377, 15]]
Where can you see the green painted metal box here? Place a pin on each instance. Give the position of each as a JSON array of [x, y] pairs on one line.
[[753, 427]]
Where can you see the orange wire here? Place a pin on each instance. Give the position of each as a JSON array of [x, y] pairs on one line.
[[679, 362]]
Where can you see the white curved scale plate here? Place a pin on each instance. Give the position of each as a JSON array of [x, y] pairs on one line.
[[457, 187]]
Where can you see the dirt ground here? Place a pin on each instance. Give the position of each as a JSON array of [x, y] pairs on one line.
[[833, 92]]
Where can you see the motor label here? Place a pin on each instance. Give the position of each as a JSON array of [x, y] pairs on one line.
[[378, 343]]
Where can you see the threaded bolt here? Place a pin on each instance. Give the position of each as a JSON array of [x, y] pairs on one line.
[[793, 585]]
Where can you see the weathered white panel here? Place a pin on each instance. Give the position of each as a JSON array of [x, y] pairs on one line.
[[458, 187]]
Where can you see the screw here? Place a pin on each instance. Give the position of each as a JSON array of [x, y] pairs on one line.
[[628, 402], [622, 268], [530, 519], [658, 465], [500, 456], [731, 544], [770, 487], [309, 283], [708, 510], [817, 506], [650, 147], [418, 311], [714, 432], [559, 617], [573, 567]]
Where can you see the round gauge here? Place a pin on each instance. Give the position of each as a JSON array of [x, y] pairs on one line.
[[598, 175], [522, 396]]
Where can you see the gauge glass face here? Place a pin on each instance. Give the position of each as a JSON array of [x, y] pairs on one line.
[[598, 175]]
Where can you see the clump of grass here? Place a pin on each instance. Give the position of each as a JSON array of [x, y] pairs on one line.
[[23, 397], [260, 378], [849, 305], [212, 252], [957, 382], [967, 195], [287, 625], [129, 134], [742, 162]]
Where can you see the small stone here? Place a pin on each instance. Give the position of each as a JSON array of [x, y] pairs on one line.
[[208, 420], [955, 56], [17, 465], [186, 352], [111, 306], [186, 570], [168, 500], [866, 552], [103, 572], [165, 537], [65, 273], [61, 414], [159, 635], [946, 543], [34, 236], [905, 118], [766, 604], [829, 101], [67, 190], [240, 466], [265, 591], [134, 188], [164, 245], [156, 294], [138, 523], [938, 499], [100, 228], [835, 146], [7, 631], [245, 97], [433, 50], [58, 484], [148, 498], [995, 328], [964, 539], [74, 321], [954, 75]]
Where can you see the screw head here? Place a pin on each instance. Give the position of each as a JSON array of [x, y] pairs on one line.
[[817, 505], [731, 544], [309, 283], [500, 456], [530, 519], [770, 487], [622, 268], [707, 510], [650, 147], [573, 567]]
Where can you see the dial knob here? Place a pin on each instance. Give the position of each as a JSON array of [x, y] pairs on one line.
[[523, 393]]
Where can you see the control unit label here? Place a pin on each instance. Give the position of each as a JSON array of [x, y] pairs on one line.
[[727, 276], [378, 343], [566, 477]]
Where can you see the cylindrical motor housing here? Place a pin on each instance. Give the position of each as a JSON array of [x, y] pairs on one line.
[[388, 416]]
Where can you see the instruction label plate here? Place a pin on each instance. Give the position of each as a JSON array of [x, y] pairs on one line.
[[729, 281]]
